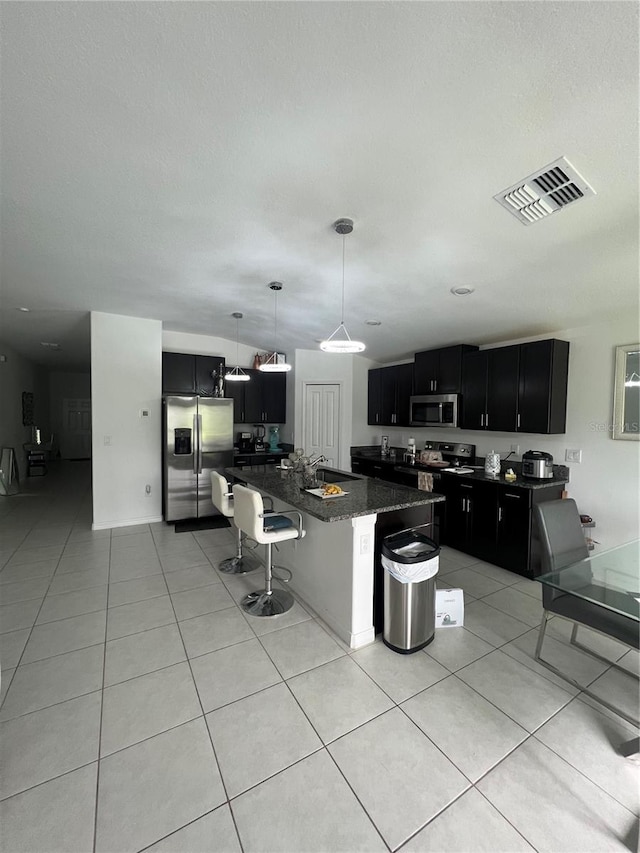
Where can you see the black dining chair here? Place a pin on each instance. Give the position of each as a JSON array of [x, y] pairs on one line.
[[565, 550]]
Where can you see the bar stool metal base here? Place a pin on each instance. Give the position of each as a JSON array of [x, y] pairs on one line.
[[239, 565], [267, 603]]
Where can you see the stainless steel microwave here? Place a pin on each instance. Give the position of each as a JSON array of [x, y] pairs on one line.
[[434, 410]]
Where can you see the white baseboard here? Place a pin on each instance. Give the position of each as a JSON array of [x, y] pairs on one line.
[[108, 525]]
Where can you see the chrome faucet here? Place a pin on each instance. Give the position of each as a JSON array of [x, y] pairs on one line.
[[320, 458]]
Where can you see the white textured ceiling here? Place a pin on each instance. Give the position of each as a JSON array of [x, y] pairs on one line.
[[168, 160]]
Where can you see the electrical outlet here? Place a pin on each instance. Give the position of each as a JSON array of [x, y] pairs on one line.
[[515, 448], [107, 440], [365, 543], [147, 490], [573, 455]]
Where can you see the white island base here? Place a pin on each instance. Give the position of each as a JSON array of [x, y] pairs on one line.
[[332, 572]]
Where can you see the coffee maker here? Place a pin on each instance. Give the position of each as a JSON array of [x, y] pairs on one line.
[[245, 442]]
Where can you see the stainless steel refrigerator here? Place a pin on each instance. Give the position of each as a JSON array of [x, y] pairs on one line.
[[197, 438]]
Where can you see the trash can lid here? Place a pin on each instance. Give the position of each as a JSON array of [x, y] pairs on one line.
[[409, 547]]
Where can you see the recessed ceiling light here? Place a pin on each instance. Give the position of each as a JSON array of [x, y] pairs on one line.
[[26, 310], [372, 323], [462, 291]]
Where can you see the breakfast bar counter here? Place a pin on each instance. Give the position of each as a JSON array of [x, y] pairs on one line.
[[333, 565]]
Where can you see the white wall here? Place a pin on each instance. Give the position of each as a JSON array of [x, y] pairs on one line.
[[126, 377], [208, 345], [72, 386], [606, 485], [17, 374]]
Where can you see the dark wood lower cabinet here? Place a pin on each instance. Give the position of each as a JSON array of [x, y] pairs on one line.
[[492, 521], [495, 523]]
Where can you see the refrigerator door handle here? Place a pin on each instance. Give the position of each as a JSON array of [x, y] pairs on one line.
[[199, 443], [196, 444]]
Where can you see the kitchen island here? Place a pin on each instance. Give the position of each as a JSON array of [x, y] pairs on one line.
[[334, 564]]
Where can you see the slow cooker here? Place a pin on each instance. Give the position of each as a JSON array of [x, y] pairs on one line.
[[537, 465]]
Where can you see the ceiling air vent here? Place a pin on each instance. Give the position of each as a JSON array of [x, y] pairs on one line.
[[545, 192]]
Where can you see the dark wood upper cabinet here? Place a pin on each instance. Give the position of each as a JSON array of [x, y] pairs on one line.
[[374, 396], [542, 390], [389, 391], [206, 368], [490, 389], [439, 371], [263, 399], [519, 388], [502, 389], [184, 373]]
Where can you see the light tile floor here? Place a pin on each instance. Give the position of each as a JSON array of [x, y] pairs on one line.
[[144, 711]]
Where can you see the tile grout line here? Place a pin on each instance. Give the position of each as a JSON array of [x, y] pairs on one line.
[[104, 669]]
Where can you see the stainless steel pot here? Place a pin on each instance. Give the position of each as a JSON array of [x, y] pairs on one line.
[[537, 465]]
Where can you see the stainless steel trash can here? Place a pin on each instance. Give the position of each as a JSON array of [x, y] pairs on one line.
[[410, 561]]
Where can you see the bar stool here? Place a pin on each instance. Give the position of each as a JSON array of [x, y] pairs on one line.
[[267, 529], [222, 499]]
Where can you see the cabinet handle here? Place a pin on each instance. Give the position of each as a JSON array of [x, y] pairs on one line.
[[486, 419], [482, 420], [435, 384], [518, 420], [466, 486], [511, 495], [499, 513]]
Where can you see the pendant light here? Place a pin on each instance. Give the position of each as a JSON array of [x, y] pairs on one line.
[[237, 374], [343, 343], [271, 364]]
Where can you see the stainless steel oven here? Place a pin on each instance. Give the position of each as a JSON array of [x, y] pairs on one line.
[[434, 410]]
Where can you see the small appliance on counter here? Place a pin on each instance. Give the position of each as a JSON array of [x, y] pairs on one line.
[[245, 442], [537, 465], [492, 464], [259, 445], [274, 437]]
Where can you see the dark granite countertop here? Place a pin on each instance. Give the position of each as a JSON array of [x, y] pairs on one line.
[[365, 496], [560, 472]]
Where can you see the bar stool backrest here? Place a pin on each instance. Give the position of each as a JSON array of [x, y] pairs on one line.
[[248, 510], [219, 495]]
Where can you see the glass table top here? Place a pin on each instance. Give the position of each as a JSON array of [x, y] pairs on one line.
[[610, 579]]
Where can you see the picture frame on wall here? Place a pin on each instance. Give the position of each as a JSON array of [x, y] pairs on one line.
[[626, 394], [27, 408]]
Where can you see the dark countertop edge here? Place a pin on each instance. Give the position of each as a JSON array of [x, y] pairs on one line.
[[426, 498], [370, 455]]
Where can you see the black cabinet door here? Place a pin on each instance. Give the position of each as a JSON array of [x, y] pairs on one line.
[[542, 393], [474, 390], [235, 391], [178, 373], [449, 378], [207, 368], [374, 398], [387, 395], [514, 523], [455, 524], [483, 507], [274, 397], [502, 389], [404, 390], [253, 410], [426, 367]]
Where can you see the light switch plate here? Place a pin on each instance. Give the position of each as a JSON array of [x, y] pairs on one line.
[[573, 455]]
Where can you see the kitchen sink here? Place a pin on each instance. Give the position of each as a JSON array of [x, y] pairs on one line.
[[330, 475]]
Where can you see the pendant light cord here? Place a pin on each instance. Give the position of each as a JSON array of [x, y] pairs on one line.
[[343, 249]]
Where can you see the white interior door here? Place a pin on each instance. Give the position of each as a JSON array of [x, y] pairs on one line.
[[75, 441], [322, 421]]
